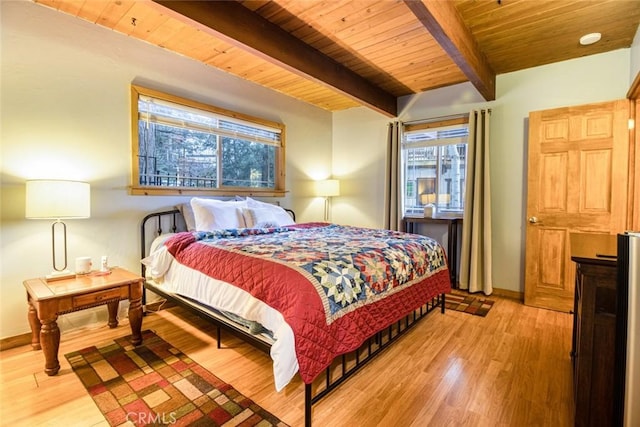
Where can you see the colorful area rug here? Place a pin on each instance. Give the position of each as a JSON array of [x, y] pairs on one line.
[[468, 304], [156, 384]]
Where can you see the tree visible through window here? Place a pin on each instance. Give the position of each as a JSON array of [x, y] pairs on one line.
[[434, 166], [182, 146]]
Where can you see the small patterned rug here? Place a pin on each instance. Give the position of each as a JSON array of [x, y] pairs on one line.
[[468, 304], [156, 384]]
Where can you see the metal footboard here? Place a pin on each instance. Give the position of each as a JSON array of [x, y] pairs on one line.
[[345, 366]]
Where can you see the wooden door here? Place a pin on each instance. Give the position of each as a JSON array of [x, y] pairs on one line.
[[577, 182]]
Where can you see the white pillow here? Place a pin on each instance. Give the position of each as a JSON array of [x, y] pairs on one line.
[[187, 214], [211, 214], [277, 214], [259, 218], [252, 203]]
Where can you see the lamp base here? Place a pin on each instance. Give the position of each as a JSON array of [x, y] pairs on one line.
[[59, 275], [429, 211]]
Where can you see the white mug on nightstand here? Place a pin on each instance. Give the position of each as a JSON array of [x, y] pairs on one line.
[[83, 265]]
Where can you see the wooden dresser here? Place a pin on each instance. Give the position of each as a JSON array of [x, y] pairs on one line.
[[597, 373]]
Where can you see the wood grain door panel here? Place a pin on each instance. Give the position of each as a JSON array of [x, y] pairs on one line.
[[577, 182], [595, 177], [553, 174], [553, 277]]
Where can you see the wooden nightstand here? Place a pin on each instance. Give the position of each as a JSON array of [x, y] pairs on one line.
[[47, 300]]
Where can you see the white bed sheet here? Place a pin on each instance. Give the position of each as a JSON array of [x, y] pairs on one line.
[[174, 277]]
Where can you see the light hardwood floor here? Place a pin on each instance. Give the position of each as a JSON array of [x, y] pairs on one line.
[[511, 368]]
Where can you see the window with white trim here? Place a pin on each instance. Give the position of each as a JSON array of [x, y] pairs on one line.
[[185, 147], [434, 159]]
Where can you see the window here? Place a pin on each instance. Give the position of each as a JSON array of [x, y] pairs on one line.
[[434, 158], [186, 147]]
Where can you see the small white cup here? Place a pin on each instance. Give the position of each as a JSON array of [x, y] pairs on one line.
[[104, 263], [83, 265]]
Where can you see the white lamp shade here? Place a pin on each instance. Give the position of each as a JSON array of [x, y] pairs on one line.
[[57, 199], [328, 188]]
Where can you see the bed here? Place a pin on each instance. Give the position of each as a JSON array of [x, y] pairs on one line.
[[322, 299]]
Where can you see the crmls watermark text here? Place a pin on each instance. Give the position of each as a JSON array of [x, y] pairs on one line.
[[143, 418]]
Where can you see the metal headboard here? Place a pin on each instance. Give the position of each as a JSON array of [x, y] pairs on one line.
[[173, 222], [170, 221]]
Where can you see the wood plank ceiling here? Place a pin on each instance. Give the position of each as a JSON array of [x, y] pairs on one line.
[[338, 54]]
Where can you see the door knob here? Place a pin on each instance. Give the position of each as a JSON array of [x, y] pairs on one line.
[[533, 220]]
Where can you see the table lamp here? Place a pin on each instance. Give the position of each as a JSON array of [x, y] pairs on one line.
[[327, 188], [57, 200]]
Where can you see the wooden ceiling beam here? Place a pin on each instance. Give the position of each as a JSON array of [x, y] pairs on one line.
[[445, 24], [241, 27]]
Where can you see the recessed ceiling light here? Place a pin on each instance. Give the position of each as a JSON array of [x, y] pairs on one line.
[[591, 38]]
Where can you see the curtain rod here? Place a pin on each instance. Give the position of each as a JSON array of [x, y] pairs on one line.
[[435, 119]]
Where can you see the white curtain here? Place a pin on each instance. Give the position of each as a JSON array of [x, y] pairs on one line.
[[475, 258], [393, 192]]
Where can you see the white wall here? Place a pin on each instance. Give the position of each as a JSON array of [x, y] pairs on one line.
[[359, 155], [581, 81], [64, 113]]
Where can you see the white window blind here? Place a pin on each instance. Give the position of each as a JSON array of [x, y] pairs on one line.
[[433, 137], [167, 113]]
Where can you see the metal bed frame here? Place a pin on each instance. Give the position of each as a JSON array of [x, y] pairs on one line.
[[336, 373]]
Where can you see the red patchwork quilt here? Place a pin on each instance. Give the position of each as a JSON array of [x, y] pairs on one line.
[[334, 285]]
